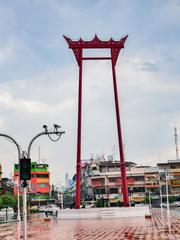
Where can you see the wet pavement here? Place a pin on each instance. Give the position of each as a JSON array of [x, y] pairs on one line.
[[157, 228]]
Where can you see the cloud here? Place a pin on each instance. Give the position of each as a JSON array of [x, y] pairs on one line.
[[39, 79], [6, 53], [150, 67]]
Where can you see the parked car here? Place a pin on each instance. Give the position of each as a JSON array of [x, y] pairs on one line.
[[140, 205], [42, 209], [175, 204], [88, 205], [164, 205], [51, 210], [8, 210]]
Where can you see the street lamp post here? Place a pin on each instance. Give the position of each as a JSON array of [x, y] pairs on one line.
[[149, 200], [60, 191], [61, 200], [167, 193], [18, 184], [166, 177], [131, 196], [160, 191], [45, 132]]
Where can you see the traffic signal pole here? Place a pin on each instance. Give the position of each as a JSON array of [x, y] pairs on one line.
[[24, 169], [25, 175], [24, 213]]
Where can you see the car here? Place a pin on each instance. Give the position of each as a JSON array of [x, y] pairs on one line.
[[42, 209], [140, 205], [51, 210], [8, 210], [175, 204], [164, 205], [88, 205]]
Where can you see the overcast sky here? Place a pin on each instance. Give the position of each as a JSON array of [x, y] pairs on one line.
[[39, 79]]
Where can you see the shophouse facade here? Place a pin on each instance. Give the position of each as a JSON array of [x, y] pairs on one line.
[[101, 179], [39, 185]]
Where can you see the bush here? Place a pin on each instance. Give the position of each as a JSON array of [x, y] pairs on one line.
[[34, 209], [8, 201], [99, 203], [172, 199]]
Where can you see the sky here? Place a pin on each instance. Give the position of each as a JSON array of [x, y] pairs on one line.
[[39, 80]]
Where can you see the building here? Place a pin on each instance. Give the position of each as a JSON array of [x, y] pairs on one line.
[[6, 186], [173, 169], [152, 185], [101, 181], [39, 185]]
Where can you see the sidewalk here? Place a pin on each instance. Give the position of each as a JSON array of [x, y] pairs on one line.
[[156, 228]]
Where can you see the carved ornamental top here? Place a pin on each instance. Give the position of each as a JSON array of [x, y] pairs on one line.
[[96, 43]]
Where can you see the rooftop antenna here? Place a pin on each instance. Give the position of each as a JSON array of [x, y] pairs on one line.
[[114, 152], [176, 142], [39, 155]]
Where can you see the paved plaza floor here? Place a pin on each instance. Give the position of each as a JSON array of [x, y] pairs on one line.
[[158, 227]]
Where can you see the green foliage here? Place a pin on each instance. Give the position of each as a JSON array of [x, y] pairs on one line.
[[8, 201], [99, 203], [34, 209], [172, 199], [67, 200], [147, 199]]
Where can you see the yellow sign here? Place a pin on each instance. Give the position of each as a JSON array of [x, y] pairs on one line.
[[42, 180]]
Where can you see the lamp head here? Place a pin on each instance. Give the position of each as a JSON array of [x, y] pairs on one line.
[[56, 127], [45, 128]]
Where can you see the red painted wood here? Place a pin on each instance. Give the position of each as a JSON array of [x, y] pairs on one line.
[[115, 47]]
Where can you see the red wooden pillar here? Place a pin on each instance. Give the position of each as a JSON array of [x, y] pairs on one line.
[[78, 170], [121, 152]]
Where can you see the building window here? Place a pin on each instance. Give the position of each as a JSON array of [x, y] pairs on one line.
[[111, 169], [138, 189], [42, 175], [94, 168], [139, 178], [112, 180], [16, 166], [100, 191], [113, 190], [43, 185], [103, 170]]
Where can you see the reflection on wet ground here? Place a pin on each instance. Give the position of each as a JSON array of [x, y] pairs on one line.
[[159, 227]]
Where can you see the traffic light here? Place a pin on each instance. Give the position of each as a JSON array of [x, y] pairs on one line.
[[25, 169]]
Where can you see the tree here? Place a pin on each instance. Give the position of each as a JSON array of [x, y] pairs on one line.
[[99, 203], [8, 201], [172, 199]]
